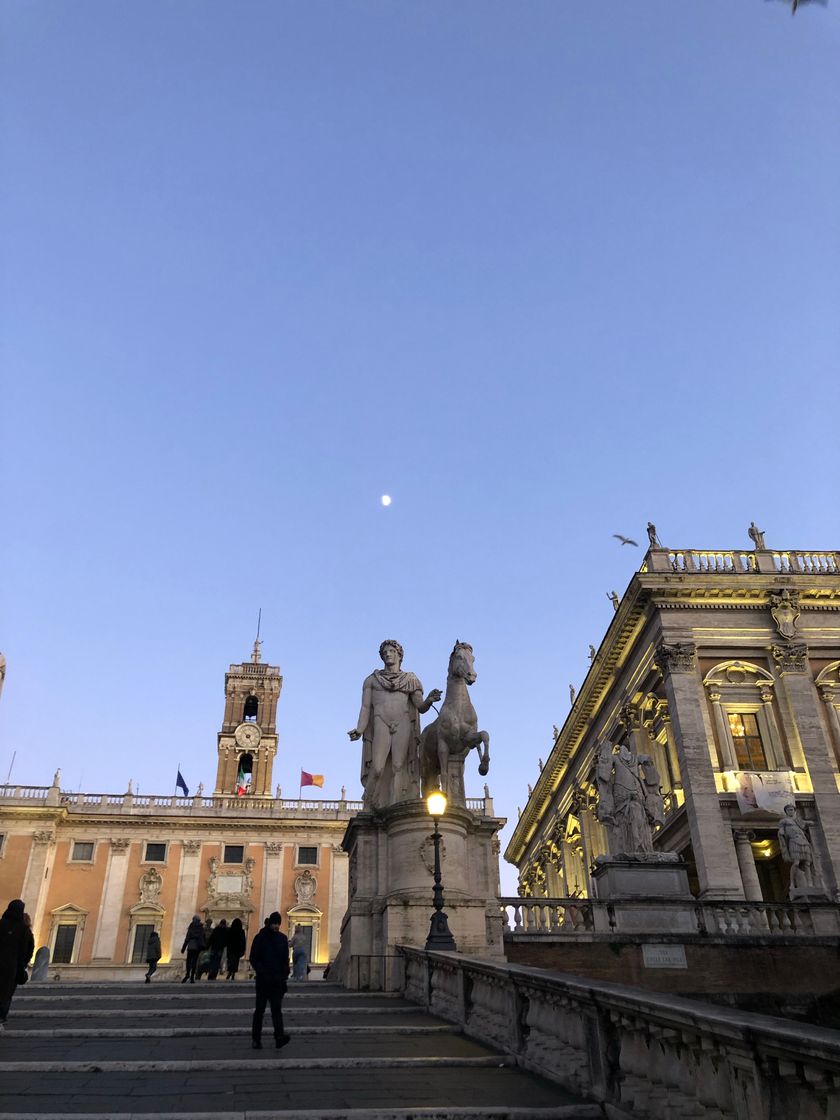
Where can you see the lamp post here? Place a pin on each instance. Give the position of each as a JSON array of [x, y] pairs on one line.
[[440, 936]]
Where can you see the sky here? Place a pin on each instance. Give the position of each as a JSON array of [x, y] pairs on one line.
[[540, 271]]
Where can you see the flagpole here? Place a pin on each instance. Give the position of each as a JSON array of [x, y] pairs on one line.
[[177, 772]]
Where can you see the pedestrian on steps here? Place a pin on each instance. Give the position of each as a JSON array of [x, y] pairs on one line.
[[217, 944], [193, 944], [300, 957], [16, 948], [270, 961], [236, 947], [152, 954]]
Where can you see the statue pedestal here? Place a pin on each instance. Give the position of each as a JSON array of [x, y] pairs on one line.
[[634, 884], [390, 889]]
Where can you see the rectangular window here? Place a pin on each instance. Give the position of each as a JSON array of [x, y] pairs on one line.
[[749, 749], [234, 853], [2, 841], [308, 856], [155, 853], [82, 853], [141, 942], [65, 936]]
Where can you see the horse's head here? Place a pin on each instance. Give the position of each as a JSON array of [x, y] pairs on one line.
[[462, 662]]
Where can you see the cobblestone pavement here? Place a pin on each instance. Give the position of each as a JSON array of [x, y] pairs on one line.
[[130, 1051]]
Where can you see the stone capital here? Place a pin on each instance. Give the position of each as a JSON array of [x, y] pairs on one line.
[[743, 835], [121, 844], [192, 846], [43, 836], [676, 658], [791, 658]]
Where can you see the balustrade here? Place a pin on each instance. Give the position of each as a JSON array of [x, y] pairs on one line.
[[808, 563], [638, 1054], [573, 917]]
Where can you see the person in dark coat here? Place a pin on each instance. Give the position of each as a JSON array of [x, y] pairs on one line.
[[235, 947], [270, 961], [193, 944], [16, 948], [217, 943], [153, 953]]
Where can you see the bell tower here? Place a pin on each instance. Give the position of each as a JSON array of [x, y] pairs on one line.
[[247, 742]]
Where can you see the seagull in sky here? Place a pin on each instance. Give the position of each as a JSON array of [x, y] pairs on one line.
[[794, 4], [625, 540]]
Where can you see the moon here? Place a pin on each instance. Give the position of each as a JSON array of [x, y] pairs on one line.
[[385, 499]]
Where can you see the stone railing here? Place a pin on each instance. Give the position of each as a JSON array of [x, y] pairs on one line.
[[701, 560], [740, 561], [578, 917], [640, 1055], [24, 793]]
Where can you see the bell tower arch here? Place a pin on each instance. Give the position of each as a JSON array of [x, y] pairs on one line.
[[247, 742]]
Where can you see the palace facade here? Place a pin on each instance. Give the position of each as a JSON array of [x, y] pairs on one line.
[[724, 667], [99, 872]]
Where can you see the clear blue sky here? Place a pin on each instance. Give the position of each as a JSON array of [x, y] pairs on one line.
[[541, 271]]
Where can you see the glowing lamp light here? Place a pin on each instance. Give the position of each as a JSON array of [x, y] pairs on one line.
[[436, 804]]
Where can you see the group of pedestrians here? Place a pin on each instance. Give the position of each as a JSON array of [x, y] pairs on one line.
[[16, 948], [205, 947]]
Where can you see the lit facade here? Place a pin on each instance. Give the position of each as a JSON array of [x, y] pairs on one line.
[[724, 666], [98, 872]]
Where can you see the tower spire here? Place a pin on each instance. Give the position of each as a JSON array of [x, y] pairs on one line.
[[255, 656]]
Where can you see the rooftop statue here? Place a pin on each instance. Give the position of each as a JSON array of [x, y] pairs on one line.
[[389, 725], [629, 802], [756, 535], [447, 741], [652, 537]]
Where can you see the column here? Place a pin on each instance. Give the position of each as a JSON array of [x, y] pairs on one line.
[[111, 907], [338, 902], [35, 882], [827, 691], [746, 864], [797, 686], [186, 897], [728, 758], [717, 867]]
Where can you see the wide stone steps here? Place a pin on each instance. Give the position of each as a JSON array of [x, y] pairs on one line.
[[132, 1051]]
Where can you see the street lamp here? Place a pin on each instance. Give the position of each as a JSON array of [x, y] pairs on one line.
[[440, 936]]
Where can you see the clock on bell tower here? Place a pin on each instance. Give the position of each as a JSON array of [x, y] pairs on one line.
[[248, 739]]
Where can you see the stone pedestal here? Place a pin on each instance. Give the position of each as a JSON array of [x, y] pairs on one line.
[[391, 858], [635, 884]]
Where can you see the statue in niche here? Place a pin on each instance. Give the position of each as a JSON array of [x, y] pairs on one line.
[[389, 725], [756, 535], [797, 851], [629, 801]]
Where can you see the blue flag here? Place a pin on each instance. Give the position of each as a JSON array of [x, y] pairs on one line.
[[181, 784]]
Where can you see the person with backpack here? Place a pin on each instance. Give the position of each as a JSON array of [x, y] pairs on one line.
[[235, 948], [153, 954], [193, 944]]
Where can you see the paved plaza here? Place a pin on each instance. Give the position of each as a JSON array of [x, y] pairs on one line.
[[132, 1050]]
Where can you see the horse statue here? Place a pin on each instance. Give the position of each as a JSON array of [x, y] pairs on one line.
[[446, 742]]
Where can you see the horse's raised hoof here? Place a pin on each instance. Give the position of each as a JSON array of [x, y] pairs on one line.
[[484, 766]]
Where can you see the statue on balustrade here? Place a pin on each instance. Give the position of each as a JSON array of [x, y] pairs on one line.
[[756, 535], [797, 851], [389, 725], [629, 799]]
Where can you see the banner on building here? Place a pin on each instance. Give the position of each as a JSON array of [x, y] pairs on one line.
[[763, 792]]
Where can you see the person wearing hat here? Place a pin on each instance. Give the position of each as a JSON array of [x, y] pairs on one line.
[[270, 961]]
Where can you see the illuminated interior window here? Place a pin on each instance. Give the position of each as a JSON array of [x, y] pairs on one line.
[[749, 749]]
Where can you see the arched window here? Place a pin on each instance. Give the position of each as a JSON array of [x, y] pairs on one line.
[[244, 774], [252, 708]]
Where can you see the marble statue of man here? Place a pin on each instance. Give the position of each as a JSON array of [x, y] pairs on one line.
[[626, 803], [389, 725], [797, 851], [756, 535]]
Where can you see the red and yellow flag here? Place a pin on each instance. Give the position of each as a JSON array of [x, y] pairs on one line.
[[311, 779]]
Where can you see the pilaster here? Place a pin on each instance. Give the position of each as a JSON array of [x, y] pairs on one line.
[[717, 867], [36, 880], [186, 897], [113, 896]]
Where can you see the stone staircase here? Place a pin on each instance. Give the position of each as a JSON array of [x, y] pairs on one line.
[[131, 1050]]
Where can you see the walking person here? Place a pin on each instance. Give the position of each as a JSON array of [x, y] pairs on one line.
[[270, 961], [235, 947], [193, 944], [16, 948], [300, 957], [217, 944], [153, 954]]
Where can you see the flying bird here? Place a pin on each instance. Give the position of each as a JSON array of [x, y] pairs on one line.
[[794, 4], [625, 540]]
